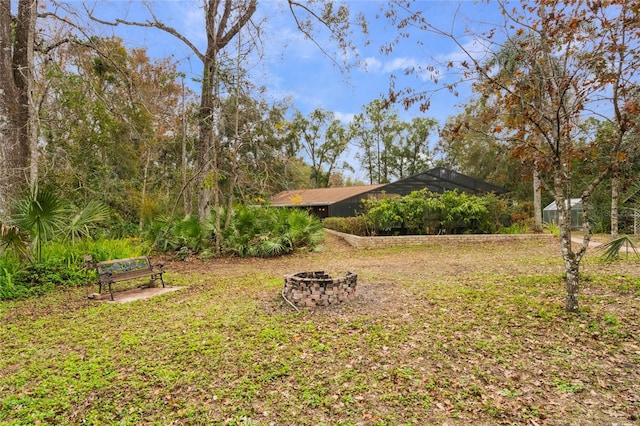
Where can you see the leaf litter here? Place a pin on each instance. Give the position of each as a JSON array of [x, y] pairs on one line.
[[473, 333]]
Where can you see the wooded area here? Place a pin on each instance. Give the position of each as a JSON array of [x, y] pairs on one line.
[[84, 117]]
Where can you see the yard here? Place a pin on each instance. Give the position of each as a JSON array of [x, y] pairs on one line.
[[437, 335]]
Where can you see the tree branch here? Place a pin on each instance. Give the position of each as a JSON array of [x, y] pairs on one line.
[[154, 23]]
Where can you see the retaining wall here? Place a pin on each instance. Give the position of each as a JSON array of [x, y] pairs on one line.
[[406, 240]]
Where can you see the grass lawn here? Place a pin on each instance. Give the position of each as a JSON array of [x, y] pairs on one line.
[[473, 334]]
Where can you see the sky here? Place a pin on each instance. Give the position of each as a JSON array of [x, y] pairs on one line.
[[294, 69]]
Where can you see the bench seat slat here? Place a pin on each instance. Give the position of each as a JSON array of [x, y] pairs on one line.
[[130, 275]]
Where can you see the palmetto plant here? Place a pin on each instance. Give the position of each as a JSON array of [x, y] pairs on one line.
[[82, 221], [189, 233], [40, 213], [267, 232], [15, 240], [244, 231], [611, 250], [303, 228]]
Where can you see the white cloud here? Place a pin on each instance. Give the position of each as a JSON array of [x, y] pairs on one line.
[[371, 64], [475, 47], [344, 117], [400, 64], [375, 65]]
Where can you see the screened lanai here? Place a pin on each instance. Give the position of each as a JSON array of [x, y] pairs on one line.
[[347, 201], [440, 180]]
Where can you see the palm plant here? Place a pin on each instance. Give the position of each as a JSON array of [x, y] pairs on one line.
[[611, 250], [14, 239], [157, 233], [189, 233], [303, 228], [242, 230], [41, 214], [268, 232], [84, 220]]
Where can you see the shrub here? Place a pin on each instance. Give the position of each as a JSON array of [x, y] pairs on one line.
[[431, 213], [184, 236], [62, 265], [302, 228], [385, 214], [44, 243], [357, 225], [268, 231], [10, 268]]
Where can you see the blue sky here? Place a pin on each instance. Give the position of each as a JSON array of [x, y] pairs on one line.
[[295, 69], [313, 81]]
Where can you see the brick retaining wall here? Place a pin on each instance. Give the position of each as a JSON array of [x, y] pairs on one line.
[[406, 240]]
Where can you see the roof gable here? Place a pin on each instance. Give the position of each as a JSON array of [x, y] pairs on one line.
[[575, 203], [437, 179], [440, 179], [319, 196]]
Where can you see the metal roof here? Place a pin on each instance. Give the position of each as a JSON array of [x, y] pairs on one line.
[[437, 179], [319, 196]]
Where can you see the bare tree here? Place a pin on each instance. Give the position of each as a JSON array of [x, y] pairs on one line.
[[18, 129]]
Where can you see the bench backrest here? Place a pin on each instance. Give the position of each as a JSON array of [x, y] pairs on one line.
[[120, 266]]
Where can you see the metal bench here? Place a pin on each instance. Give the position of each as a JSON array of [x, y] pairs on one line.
[[112, 271]]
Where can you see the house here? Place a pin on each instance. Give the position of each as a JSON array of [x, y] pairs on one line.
[[347, 201], [327, 202]]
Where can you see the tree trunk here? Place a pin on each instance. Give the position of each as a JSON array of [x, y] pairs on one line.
[[537, 201], [186, 198], [615, 192], [221, 29], [8, 109], [16, 107], [216, 200], [31, 134], [23, 76], [572, 285], [143, 194], [571, 263], [206, 176]]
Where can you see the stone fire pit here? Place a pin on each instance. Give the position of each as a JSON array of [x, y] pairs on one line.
[[311, 289]]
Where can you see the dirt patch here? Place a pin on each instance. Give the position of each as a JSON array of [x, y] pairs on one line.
[[133, 294]]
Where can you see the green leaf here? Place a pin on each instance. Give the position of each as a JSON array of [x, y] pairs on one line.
[[611, 250]]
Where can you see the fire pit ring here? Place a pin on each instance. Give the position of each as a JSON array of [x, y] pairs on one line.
[[313, 289]]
